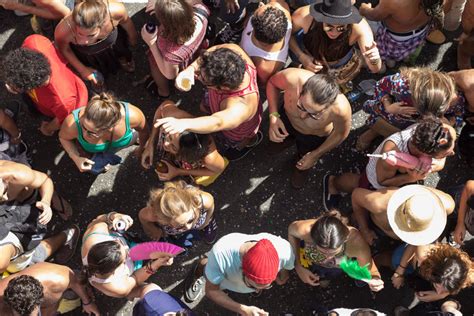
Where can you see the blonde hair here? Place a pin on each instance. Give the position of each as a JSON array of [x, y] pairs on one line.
[[174, 199], [103, 110], [90, 14], [431, 90]]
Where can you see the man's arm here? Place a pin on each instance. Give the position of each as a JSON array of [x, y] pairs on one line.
[[214, 292], [382, 11], [22, 175], [235, 114], [87, 301], [341, 129], [48, 9]]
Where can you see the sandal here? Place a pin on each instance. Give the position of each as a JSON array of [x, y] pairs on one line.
[[61, 206]]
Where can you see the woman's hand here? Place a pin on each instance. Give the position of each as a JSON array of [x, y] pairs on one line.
[[307, 276], [372, 53], [167, 176], [309, 63], [149, 38], [402, 109], [162, 259], [147, 157], [88, 74], [83, 164], [398, 281], [460, 233], [375, 284]]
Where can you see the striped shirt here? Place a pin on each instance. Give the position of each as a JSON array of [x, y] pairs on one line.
[[401, 140]]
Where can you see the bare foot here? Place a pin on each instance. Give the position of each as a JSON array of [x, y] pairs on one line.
[[365, 139]]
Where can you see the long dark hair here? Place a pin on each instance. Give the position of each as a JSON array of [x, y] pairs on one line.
[[329, 231], [320, 46], [104, 257], [193, 147]]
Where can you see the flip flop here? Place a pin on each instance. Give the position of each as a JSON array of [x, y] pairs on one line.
[[67, 250], [61, 206]]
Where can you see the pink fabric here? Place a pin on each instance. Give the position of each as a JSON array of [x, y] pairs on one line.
[[183, 55], [249, 128]]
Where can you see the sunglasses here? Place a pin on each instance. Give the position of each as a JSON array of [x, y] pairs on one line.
[[315, 116], [339, 28], [184, 226], [246, 282], [95, 134]]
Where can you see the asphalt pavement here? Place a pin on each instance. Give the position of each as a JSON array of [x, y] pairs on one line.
[[252, 195]]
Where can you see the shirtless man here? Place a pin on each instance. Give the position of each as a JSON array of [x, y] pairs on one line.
[[316, 116], [404, 25], [370, 210], [40, 288], [232, 101], [466, 40], [25, 195]]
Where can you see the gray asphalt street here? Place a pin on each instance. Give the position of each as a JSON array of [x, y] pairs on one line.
[[253, 195]]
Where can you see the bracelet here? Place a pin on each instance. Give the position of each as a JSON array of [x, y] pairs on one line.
[[275, 114], [402, 266], [149, 269]]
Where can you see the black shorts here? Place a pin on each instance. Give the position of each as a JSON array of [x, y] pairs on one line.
[[304, 143]]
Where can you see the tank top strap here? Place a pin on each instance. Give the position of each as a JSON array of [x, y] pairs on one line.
[[75, 114], [127, 116], [73, 31]]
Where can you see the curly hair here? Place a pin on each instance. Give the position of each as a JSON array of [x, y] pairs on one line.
[[434, 9], [25, 69], [177, 19], [428, 135], [431, 91], [23, 294], [270, 27], [330, 230], [323, 88], [223, 68], [174, 199], [449, 267]]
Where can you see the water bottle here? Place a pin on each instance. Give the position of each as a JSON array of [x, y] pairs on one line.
[[150, 27], [353, 95]]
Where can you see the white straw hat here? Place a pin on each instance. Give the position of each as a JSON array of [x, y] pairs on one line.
[[416, 215]]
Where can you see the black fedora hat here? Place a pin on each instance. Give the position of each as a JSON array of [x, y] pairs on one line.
[[335, 12]]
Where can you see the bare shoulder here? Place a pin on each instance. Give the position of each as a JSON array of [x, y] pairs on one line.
[[342, 107], [117, 10]]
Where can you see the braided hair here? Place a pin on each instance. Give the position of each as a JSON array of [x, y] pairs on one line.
[[428, 135]]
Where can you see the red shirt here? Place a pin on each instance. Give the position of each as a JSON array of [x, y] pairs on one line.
[[65, 90]]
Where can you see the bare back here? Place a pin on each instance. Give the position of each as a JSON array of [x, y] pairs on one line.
[[405, 16]]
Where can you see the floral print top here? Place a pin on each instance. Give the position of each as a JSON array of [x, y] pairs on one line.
[[398, 88]]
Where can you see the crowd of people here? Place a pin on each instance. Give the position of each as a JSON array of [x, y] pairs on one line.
[[301, 56]]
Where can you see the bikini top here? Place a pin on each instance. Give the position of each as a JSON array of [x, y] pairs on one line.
[[312, 253], [102, 147]]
